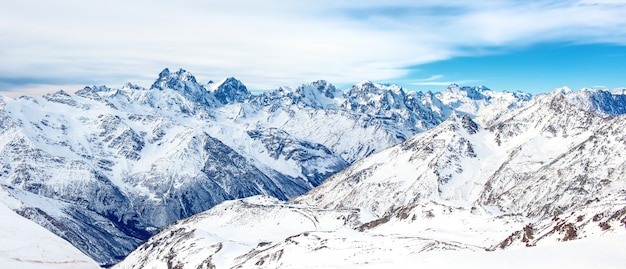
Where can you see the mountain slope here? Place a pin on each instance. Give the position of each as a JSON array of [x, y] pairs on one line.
[[239, 234], [550, 158]]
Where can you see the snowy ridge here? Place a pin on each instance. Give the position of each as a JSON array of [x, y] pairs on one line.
[[599, 101]]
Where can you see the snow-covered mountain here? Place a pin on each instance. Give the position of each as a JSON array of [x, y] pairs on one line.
[[106, 168], [549, 171]]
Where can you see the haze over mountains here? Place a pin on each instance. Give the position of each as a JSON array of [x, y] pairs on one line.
[[374, 168]]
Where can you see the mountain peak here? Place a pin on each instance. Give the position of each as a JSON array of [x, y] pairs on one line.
[[471, 92], [327, 89], [365, 87], [317, 94], [181, 74], [185, 83], [175, 81], [231, 90], [453, 86], [364, 83], [368, 89], [131, 86], [462, 121], [563, 90], [164, 73], [60, 96], [469, 125]]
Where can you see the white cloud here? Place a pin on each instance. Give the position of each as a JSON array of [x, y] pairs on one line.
[[40, 89], [429, 79], [275, 42]]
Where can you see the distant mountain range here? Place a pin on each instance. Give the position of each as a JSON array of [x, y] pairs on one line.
[[105, 169]]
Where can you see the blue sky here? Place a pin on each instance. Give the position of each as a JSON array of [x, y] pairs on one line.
[[537, 68], [532, 46]]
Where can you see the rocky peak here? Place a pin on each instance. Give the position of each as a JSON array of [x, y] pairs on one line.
[[469, 125], [318, 94], [557, 101], [92, 94], [363, 88], [459, 121], [131, 86], [471, 92], [327, 89], [61, 97], [175, 81], [230, 91], [86, 91], [378, 95], [184, 82]]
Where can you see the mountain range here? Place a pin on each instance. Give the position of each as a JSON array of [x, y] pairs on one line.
[[371, 171]]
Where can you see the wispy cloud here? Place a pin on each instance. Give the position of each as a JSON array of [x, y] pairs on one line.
[[430, 79], [276, 42], [437, 80]]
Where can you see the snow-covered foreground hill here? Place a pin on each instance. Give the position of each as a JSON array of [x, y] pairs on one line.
[[597, 252], [262, 232], [24, 244]]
